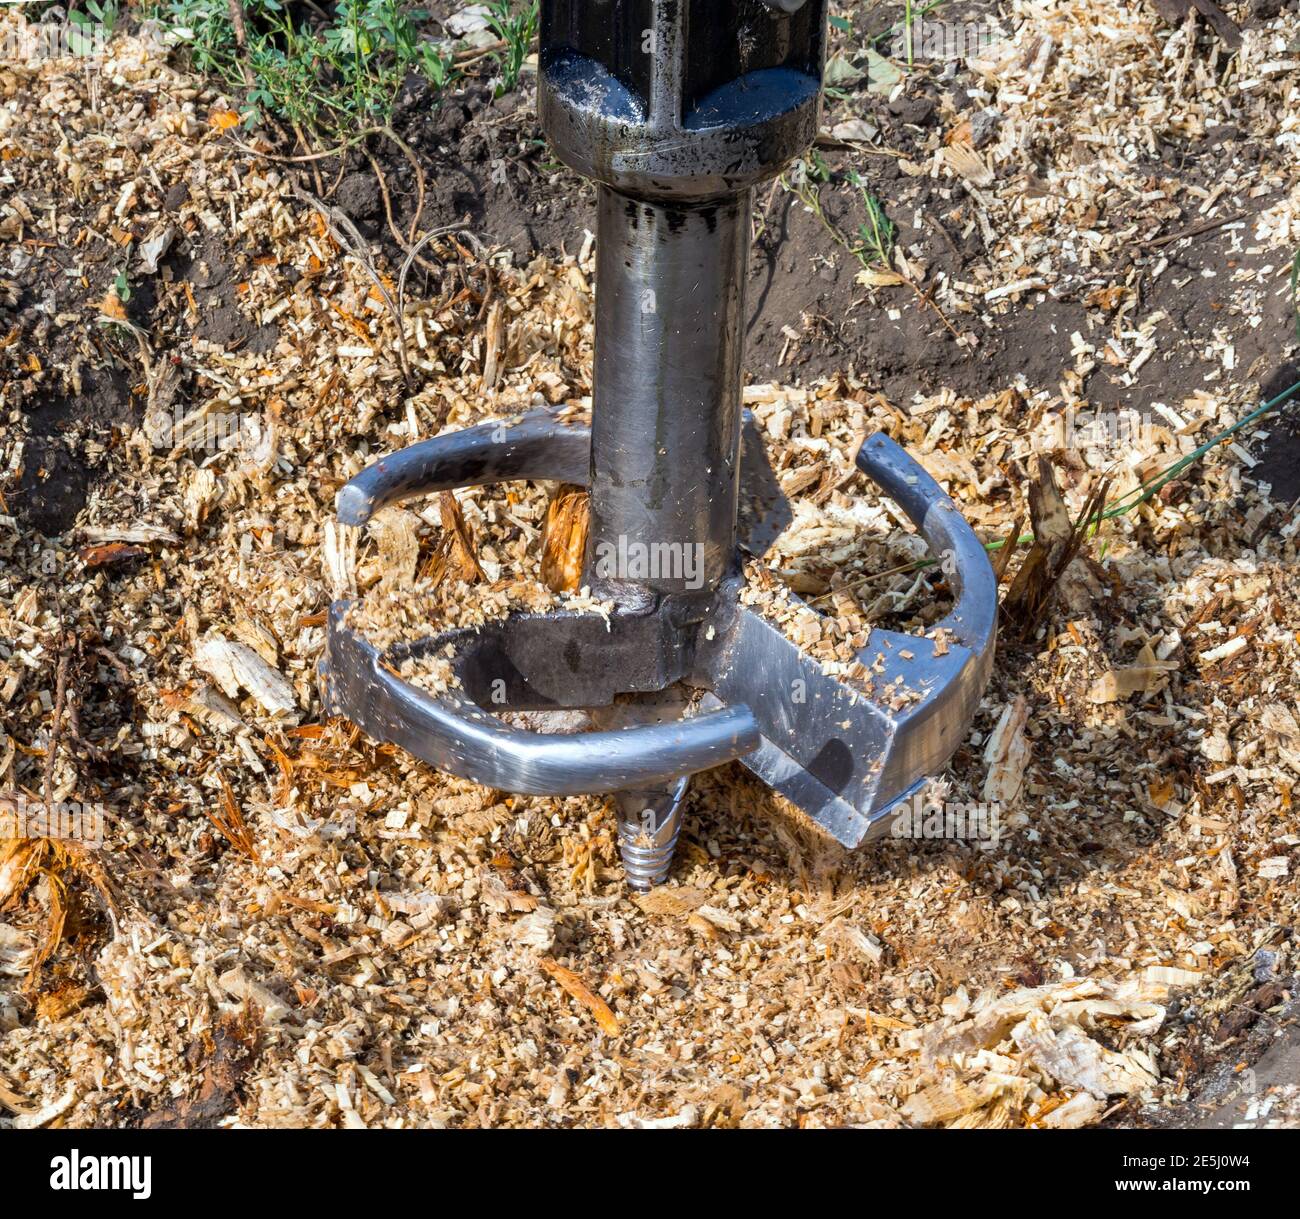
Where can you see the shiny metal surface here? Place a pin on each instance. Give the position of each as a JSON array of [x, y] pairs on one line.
[[543, 445], [649, 825], [665, 433], [538, 445], [456, 735], [845, 756]]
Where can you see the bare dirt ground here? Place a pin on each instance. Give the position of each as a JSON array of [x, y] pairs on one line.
[[287, 924]]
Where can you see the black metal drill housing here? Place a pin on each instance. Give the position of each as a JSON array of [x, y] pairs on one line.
[[681, 99]]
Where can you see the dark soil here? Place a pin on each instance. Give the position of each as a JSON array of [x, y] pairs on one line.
[[47, 312], [52, 487], [485, 163], [212, 269], [55, 476], [1280, 465]]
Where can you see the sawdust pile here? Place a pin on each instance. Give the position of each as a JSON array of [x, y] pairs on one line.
[[288, 924]]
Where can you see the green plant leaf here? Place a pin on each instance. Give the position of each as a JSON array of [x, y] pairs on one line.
[[1295, 291], [840, 72], [882, 74]]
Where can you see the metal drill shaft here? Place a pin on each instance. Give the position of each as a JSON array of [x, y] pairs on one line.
[[649, 824], [678, 108], [666, 419]]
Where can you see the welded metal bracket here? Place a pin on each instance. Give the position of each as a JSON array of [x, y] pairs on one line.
[[843, 754]]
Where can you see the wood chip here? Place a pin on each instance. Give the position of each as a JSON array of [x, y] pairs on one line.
[[236, 667], [600, 1010]]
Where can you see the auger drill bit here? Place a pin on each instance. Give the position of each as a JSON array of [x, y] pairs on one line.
[[678, 109]]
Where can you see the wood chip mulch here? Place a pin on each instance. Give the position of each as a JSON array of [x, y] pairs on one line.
[[287, 924]]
